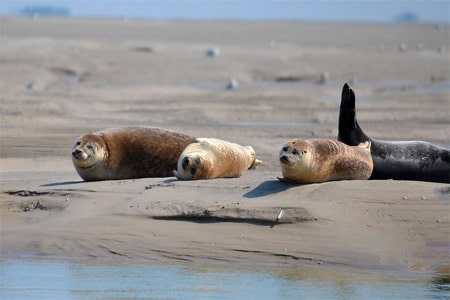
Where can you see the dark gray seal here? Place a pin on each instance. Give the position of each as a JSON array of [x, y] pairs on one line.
[[400, 160]]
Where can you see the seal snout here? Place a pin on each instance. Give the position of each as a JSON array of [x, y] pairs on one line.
[[186, 165], [76, 153], [284, 159]]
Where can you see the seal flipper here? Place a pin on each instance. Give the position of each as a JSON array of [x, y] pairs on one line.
[[349, 131]]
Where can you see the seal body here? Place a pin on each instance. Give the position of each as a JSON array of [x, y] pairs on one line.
[[320, 160], [129, 152], [210, 158], [401, 160]]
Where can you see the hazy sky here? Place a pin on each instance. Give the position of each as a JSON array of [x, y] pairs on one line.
[[362, 10]]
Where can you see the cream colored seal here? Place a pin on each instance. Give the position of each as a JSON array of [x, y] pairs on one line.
[[209, 158], [129, 152], [319, 160]]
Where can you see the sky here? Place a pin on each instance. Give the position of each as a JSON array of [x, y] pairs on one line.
[[300, 10]]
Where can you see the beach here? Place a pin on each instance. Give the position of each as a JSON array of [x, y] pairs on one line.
[[61, 78]]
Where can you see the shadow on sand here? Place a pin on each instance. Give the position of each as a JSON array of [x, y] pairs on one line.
[[62, 183], [269, 187]]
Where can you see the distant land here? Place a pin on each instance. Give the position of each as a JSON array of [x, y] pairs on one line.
[[45, 11], [433, 11]]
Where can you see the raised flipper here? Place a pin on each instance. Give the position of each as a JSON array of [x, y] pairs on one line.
[[349, 131]]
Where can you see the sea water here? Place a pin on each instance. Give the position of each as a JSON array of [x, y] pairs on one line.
[[49, 279]]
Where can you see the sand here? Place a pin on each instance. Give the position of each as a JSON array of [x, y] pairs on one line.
[[63, 78]]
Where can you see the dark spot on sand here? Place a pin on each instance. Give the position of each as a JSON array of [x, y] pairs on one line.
[[25, 193], [143, 49]]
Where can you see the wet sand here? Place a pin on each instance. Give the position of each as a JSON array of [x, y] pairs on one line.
[[63, 78]]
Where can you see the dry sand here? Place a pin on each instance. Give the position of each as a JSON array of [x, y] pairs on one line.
[[63, 78]]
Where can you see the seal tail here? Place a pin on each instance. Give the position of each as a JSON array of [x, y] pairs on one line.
[[256, 163], [349, 131]]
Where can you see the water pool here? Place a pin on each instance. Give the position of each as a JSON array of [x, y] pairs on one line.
[[49, 279]]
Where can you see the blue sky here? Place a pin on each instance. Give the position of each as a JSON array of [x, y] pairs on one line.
[[320, 10]]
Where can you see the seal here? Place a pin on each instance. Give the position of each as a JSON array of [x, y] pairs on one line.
[[209, 158], [320, 160], [400, 160], [129, 152]]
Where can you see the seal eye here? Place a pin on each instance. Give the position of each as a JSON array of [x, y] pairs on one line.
[[285, 149], [295, 152], [185, 163], [91, 148]]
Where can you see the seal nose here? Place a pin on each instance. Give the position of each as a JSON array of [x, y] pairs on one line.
[[193, 171], [284, 159], [76, 152]]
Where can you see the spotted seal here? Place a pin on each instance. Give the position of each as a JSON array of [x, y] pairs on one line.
[[320, 160]]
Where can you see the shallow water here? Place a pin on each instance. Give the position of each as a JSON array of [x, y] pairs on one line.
[[49, 279]]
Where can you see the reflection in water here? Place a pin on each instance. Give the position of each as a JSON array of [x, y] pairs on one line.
[[41, 279]]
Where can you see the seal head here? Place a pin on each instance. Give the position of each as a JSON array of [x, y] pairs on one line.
[[88, 155]]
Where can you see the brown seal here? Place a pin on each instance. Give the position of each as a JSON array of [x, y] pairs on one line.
[[129, 152], [209, 158], [319, 160]]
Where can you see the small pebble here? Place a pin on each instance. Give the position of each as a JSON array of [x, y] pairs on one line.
[[213, 52], [232, 84], [31, 85], [405, 198], [403, 47]]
